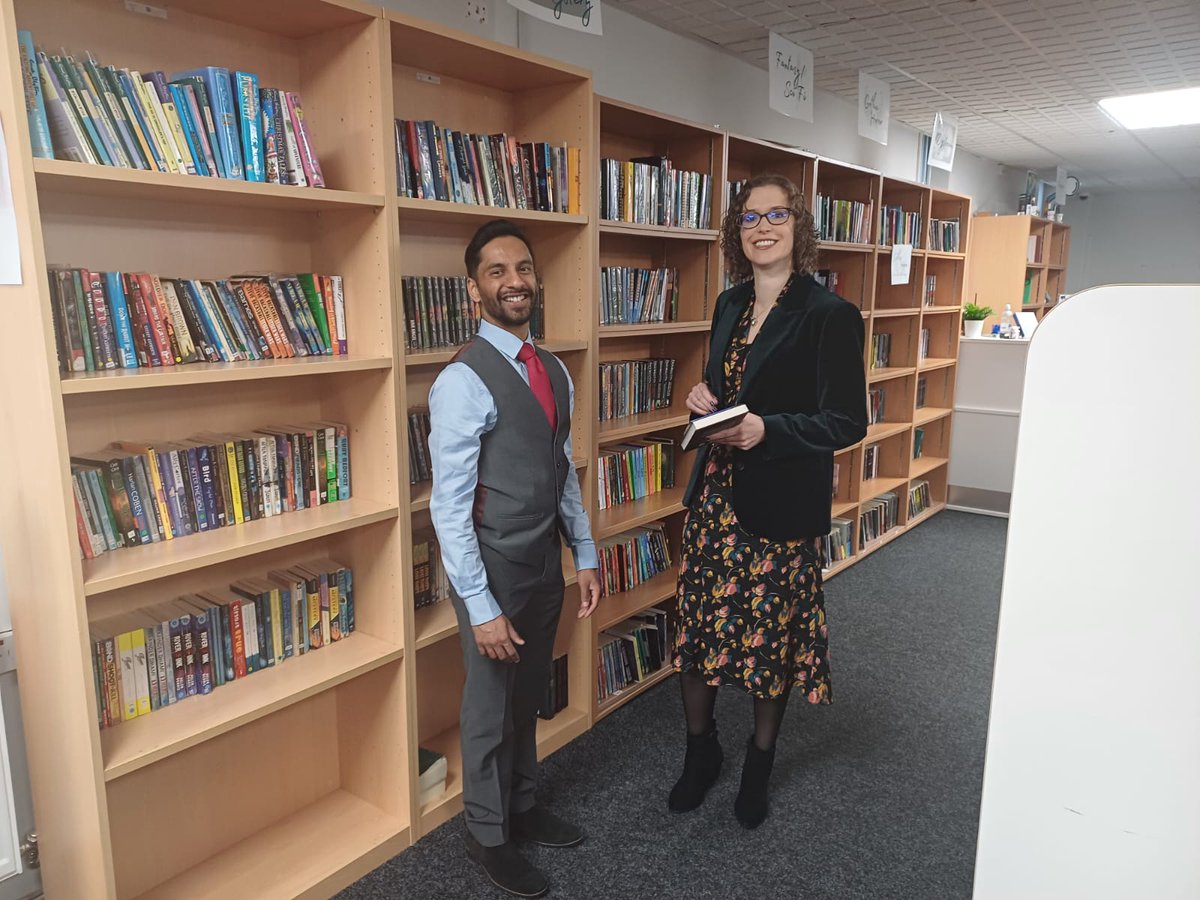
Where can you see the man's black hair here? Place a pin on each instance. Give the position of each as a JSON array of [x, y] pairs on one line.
[[488, 232]]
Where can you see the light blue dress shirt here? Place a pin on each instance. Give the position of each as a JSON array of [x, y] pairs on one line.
[[461, 410]]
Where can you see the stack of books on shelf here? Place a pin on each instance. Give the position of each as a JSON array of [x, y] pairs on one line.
[[632, 651], [943, 235], [837, 545], [420, 463], [875, 404], [899, 227], [635, 469], [923, 349], [633, 557], [918, 442], [629, 387], [159, 655], [438, 311], [139, 493], [878, 516], [930, 290], [206, 121], [870, 462], [431, 584], [130, 320], [829, 279], [881, 348], [921, 384], [919, 498], [651, 191], [732, 189], [844, 220], [557, 689], [435, 163], [630, 296]]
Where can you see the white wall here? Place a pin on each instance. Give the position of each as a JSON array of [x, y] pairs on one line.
[[1136, 236], [643, 64]]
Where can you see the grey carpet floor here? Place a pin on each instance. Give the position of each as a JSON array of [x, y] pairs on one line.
[[876, 796]]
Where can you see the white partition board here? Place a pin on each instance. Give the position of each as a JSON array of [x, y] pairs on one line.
[[1092, 780]]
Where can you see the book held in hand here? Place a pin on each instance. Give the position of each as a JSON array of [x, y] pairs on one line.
[[699, 429]]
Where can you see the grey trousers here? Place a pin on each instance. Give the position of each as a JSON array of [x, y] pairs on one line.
[[498, 719]]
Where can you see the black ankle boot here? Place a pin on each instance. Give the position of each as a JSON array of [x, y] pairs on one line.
[[750, 807], [701, 766]]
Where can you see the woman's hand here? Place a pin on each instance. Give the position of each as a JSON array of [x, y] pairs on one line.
[[701, 400], [746, 434]]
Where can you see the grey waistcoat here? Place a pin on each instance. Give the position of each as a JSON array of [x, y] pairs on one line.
[[522, 465]]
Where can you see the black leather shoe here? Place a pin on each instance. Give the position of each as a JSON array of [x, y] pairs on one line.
[[701, 766], [541, 826], [750, 807], [507, 869]]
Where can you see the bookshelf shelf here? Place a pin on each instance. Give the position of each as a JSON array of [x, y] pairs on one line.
[[133, 745], [651, 328], [924, 465], [125, 568], [941, 254], [881, 430], [445, 807], [874, 375], [313, 852], [895, 313], [621, 429], [616, 608], [554, 734], [844, 510], [927, 414], [217, 373], [441, 357], [619, 699], [840, 566], [921, 517], [931, 363], [616, 519], [435, 623], [940, 310], [111, 182], [419, 495], [873, 487], [608, 226], [413, 209]]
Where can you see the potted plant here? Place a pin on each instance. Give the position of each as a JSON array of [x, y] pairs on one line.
[[973, 317]]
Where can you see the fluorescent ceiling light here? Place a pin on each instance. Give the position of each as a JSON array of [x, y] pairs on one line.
[[1161, 109]]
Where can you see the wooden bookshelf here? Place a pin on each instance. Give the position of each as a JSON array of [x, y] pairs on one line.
[[1011, 251]]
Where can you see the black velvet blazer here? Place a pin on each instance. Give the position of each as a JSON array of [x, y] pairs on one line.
[[804, 376]]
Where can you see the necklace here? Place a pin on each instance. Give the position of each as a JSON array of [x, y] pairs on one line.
[[754, 303]]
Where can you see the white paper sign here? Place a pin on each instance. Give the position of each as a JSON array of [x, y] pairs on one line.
[[874, 106], [10, 247], [579, 15], [790, 68], [945, 138], [901, 263]]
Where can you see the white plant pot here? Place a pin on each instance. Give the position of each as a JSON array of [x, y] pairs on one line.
[[973, 328]]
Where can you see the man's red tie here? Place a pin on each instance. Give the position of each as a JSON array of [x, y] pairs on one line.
[[539, 382]]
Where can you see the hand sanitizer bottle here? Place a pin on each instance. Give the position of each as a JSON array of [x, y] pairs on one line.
[[1008, 325]]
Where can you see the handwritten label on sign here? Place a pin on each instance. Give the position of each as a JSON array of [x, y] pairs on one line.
[[790, 68], [579, 15], [874, 106]]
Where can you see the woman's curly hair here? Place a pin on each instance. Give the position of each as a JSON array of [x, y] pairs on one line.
[[804, 231]]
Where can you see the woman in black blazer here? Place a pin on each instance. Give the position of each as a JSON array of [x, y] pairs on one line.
[[751, 610]]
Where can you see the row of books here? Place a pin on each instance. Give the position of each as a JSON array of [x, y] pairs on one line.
[[875, 405], [877, 517], [870, 462], [944, 235], [136, 493], [922, 382], [830, 279], [930, 298], [130, 320], [161, 654], [632, 651], [438, 311], [420, 462], [632, 386], [431, 584], [206, 121], [918, 442], [636, 469], [732, 189], [899, 227], [838, 545], [558, 688], [651, 191], [881, 350], [630, 295], [919, 498], [923, 344], [633, 557], [435, 163], [843, 220]]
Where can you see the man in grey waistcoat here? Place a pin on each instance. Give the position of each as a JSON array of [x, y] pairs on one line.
[[504, 489]]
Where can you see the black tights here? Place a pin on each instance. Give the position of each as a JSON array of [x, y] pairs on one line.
[[699, 700]]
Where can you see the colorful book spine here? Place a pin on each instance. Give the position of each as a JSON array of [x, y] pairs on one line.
[[245, 89], [35, 102]]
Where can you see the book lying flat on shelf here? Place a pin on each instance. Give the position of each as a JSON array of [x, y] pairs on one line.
[[699, 429], [431, 781]]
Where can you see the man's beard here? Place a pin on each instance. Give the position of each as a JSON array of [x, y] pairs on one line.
[[507, 313]]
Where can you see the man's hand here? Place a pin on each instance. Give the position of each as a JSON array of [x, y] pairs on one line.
[[746, 434], [498, 640], [589, 592]]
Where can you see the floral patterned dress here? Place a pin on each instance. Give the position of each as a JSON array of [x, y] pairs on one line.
[[751, 610]]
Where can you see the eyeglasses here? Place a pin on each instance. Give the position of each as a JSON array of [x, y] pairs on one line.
[[776, 216]]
